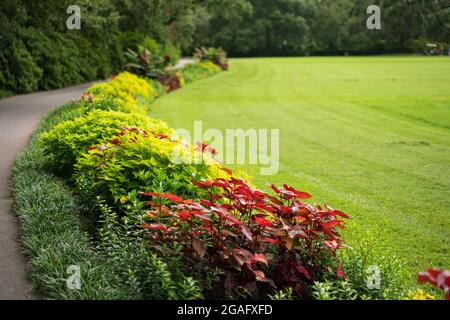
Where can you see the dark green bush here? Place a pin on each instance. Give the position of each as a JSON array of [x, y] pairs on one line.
[[24, 70]]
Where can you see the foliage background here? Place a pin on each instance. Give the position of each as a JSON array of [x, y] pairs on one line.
[[38, 52]]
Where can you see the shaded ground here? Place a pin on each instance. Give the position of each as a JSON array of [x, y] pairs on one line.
[[19, 117]]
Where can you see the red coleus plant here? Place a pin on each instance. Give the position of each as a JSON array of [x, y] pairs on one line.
[[253, 237], [438, 278]]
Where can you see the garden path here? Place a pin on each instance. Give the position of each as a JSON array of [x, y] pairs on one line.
[[19, 116]]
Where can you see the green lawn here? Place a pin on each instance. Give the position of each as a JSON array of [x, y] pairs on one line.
[[368, 135]]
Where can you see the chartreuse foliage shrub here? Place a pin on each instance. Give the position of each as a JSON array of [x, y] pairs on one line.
[[69, 139], [128, 92], [138, 160]]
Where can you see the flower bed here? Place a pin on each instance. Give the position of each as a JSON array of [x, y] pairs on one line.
[[164, 229]]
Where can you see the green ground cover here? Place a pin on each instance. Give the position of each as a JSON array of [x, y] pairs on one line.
[[369, 135]]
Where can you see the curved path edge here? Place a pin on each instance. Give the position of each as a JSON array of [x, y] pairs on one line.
[[19, 117]]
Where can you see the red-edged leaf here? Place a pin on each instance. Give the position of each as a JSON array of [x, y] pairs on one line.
[[270, 240], [155, 226], [274, 200], [299, 194], [331, 223], [339, 213], [263, 222], [259, 257], [206, 203], [275, 189], [150, 194], [332, 244], [202, 184], [161, 136], [259, 275], [227, 171], [171, 197], [184, 215]]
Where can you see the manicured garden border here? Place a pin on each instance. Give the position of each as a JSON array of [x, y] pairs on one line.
[[51, 227], [54, 236]]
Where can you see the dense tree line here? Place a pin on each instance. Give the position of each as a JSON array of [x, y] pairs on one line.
[[37, 51]]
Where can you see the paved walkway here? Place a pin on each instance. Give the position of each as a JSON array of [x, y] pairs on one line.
[[19, 117]]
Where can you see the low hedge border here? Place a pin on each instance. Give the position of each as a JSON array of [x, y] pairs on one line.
[[50, 229]]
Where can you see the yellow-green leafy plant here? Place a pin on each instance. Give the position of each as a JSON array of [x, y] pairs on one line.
[[69, 139], [142, 161], [129, 92], [195, 71]]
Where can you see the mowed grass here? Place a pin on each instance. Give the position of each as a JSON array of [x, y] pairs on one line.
[[367, 135]]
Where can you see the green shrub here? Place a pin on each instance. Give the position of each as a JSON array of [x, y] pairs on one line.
[[194, 72], [140, 271], [363, 265], [24, 69], [69, 139], [128, 92]]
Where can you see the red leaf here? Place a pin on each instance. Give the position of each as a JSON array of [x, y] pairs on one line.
[[205, 148], [206, 202], [275, 189], [156, 226], [171, 197], [331, 223], [270, 240], [339, 213], [184, 215], [227, 171], [259, 275], [332, 244], [259, 257], [299, 194], [161, 136], [274, 200], [301, 269], [340, 273], [205, 184], [263, 222]]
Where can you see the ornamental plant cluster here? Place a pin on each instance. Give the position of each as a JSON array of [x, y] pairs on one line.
[[215, 55], [181, 230], [153, 63], [260, 242]]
